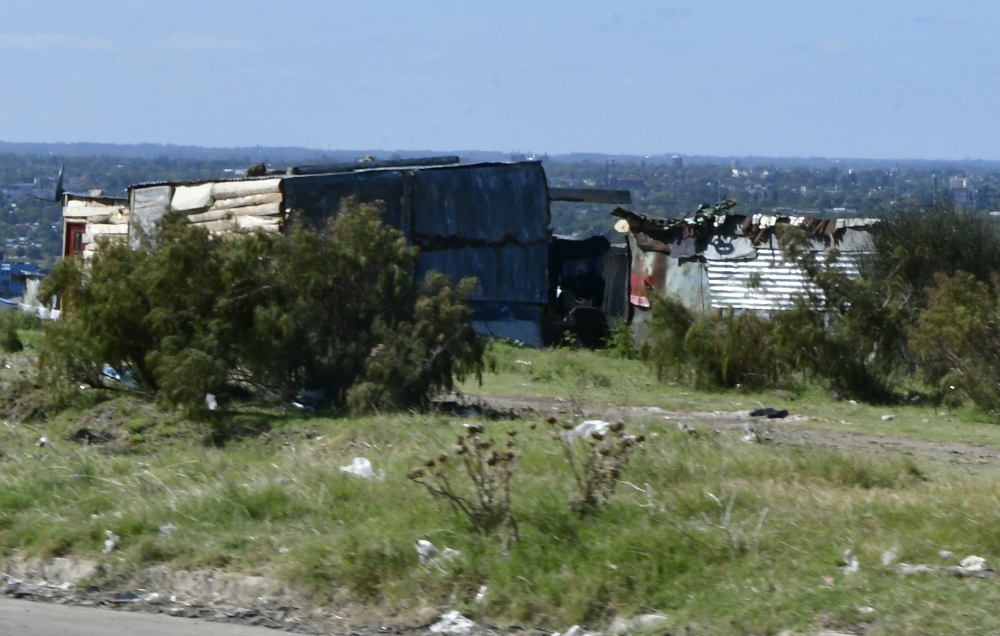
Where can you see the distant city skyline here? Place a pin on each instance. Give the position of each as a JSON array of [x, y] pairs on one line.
[[916, 79]]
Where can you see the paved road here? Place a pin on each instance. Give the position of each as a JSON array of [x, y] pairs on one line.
[[25, 618]]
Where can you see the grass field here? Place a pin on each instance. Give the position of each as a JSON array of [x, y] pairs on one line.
[[260, 491]]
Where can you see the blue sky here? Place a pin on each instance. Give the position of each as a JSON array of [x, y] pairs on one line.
[[872, 79]]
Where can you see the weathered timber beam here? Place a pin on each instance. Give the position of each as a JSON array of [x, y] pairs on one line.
[[422, 162], [586, 195]]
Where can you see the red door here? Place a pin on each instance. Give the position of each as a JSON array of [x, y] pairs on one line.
[[74, 239]]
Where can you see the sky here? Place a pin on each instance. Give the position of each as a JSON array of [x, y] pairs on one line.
[[917, 79]]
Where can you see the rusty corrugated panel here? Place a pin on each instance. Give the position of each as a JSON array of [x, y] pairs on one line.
[[766, 283], [481, 203]]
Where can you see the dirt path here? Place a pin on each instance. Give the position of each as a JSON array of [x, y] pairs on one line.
[[795, 430]]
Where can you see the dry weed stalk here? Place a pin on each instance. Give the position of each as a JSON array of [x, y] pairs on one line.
[[489, 470], [736, 537], [596, 461]]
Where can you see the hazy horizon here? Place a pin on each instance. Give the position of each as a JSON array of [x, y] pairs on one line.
[[888, 81]]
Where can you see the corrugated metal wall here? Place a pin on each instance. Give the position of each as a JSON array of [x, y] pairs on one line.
[[489, 203], [766, 283]]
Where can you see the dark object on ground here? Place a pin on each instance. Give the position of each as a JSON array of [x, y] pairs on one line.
[[92, 437], [476, 408], [590, 326], [769, 413], [256, 170]]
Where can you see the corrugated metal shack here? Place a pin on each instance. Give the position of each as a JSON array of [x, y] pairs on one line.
[[488, 220], [721, 260]]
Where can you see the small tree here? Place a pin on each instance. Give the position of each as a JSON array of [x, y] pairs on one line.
[[310, 311]]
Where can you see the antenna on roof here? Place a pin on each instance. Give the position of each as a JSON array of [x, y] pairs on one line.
[[57, 195]]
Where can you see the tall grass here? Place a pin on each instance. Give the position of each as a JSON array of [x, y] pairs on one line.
[[279, 505]]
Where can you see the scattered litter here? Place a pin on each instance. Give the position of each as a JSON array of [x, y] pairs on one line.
[[889, 556], [453, 623], [481, 594], [359, 467], [283, 480], [526, 363], [769, 412], [128, 596], [644, 622], [865, 609], [426, 551], [42, 442], [852, 402], [886, 418], [588, 428], [973, 563], [155, 598], [168, 529], [946, 554], [850, 562], [241, 612], [211, 402], [310, 400], [654, 409], [905, 569], [284, 550], [111, 373], [576, 630], [430, 555], [686, 428], [176, 611], [110, 542]]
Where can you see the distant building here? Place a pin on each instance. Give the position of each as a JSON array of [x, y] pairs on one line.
[[12, 278], [676, 161], [632, 182], [962, 192]]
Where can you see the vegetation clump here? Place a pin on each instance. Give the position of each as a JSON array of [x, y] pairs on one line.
[[488, 468], [924, 311], [334, 311], [597, 460]]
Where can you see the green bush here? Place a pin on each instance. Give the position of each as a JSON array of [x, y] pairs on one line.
[[10, 323], [957, 339], [668, 324], [315, 310], [720, 349]]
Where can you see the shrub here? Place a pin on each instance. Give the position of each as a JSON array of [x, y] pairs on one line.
[[669, 321], [729, 349], [720, 349], [849, 331], [310, 311], [957, 339], [10, 322], [912, 245]]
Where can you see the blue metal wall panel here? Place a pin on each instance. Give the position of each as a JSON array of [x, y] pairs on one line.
[[509, 273], [490, 203], [318, 196]]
